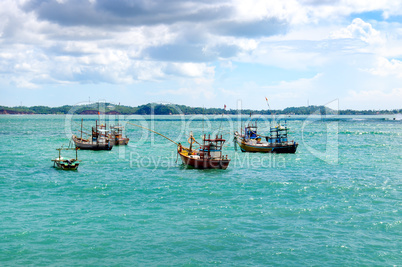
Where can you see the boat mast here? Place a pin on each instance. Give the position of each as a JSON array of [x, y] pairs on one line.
[[220, 125], [81, 127], [203, 111], [203, 147], [272, 115], [220, 147], [191, 141]]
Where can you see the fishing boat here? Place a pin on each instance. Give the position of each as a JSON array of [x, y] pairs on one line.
[[100, 139], [117, 135], [208, 156], [66, 164], [276, 142]]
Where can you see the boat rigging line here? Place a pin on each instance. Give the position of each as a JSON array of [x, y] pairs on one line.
[[220, 125], [203, 111], [153, 132], [272, 115]]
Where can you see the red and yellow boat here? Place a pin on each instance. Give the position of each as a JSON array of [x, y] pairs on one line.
[[208, 156]]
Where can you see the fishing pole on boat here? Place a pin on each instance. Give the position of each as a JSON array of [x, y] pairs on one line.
[[191, 139], [272, 115], [268, 103], [153, 132], [85, 133], [79, 125], [203, 113], [223, 113]]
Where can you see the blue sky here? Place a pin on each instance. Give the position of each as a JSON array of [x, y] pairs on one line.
[[202, 53]]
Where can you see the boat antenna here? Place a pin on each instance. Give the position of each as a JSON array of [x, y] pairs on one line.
[[241, 119], [269, 108], [223, 112], [203, 111], [153, 132]]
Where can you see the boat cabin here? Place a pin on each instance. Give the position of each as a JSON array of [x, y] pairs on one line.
[[250, 131], [99, 131], [211, 148], [117, 131], [278, 134]]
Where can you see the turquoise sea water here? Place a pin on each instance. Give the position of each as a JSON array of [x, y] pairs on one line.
[[337, 201]]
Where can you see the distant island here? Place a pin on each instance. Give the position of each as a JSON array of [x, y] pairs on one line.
[[173, 109]]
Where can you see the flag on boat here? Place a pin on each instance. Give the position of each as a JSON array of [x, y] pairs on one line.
[[224, 107], [266, 98]]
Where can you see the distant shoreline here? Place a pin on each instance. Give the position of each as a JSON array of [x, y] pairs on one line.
[[242, 114], [172, 109]]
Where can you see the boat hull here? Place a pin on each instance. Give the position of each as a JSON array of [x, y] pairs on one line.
[[121, 141], [204, 163], [68, 166], [275, 148], [93, 146], [86, 145]]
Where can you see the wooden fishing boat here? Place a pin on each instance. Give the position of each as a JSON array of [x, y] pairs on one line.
[[100, 139], [66, 164], [208, 156], [117, 135], [94, 144], [276, 142]]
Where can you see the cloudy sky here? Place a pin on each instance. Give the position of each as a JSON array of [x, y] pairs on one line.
[[202, 52]]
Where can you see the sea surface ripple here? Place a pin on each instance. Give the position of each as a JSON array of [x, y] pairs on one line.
[[337, 201]]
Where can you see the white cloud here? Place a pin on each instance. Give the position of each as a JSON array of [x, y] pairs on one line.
[[304, 12], [287, 56], [192, 92], [361, 30], [385, 67], [291, 11], [188, 43], [280, 95], [294, 89], [23, 83], [110, 48], [191, 69], [373, 99], [388, 7], [232, 93], [225, 64]]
